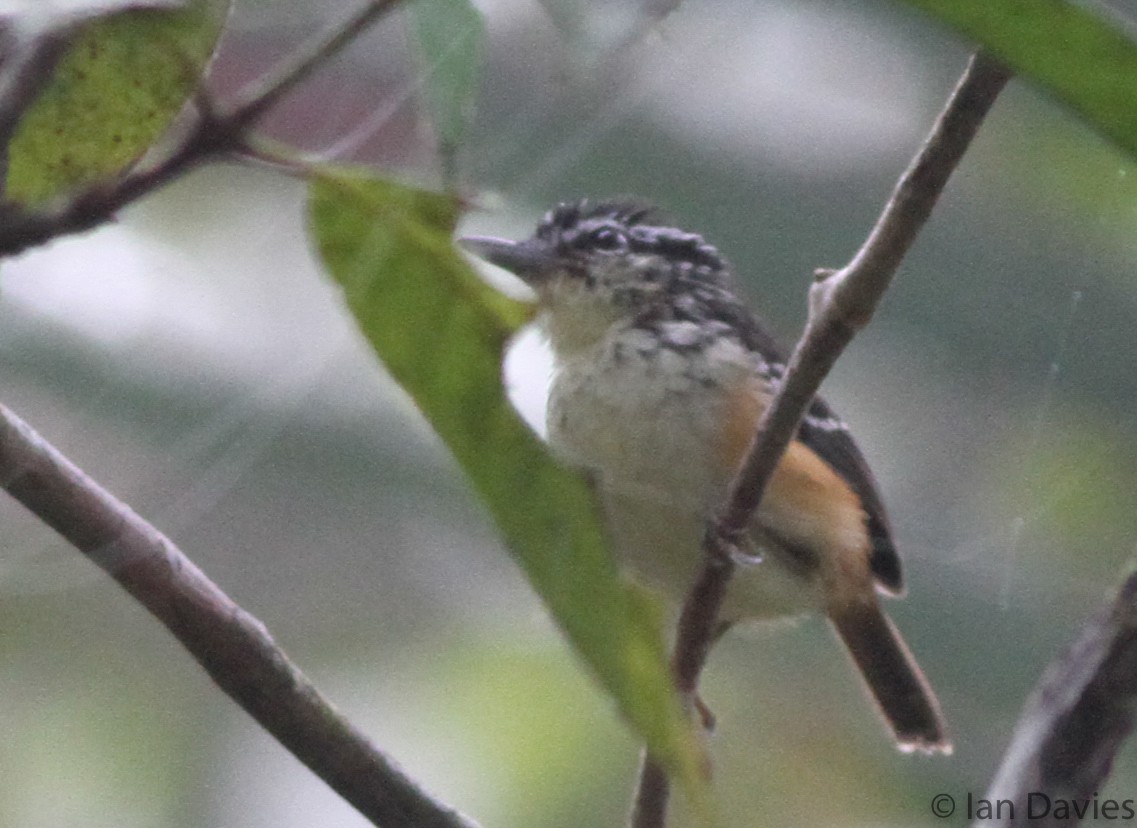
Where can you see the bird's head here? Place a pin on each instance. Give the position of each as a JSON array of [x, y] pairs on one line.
[[598, 264]]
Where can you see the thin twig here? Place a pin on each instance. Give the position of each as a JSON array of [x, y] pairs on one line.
[[216, 132], [234, 647], [253, 103], [649, 808], [841, 303]]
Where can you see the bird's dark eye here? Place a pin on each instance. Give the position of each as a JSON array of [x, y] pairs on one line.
[[608, 238]]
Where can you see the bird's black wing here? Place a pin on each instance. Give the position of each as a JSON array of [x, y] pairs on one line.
[[828, 436]]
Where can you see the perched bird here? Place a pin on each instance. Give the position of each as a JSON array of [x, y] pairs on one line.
[[661, 375]]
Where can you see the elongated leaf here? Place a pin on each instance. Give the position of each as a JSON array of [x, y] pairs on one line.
[[122, 81], [440, 331], [1085, 60]]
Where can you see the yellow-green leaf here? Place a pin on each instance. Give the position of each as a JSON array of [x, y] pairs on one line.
[[121, 82], [440, 331]]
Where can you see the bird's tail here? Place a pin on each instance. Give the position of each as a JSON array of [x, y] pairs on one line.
[[894, 680]]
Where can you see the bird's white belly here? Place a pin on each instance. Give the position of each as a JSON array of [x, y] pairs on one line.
[[646, 436], [637, 427], [662, 547]]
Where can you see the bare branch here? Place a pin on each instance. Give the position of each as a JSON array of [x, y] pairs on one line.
[[252, 104], [840, 303], [649, 808], [214, 133], [1074, 722], [233, 646]]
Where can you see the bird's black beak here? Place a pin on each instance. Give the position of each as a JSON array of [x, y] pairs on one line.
[[530, 260]]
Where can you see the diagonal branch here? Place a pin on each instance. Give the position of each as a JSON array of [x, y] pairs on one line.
[[234, 647], [215, 132], [1074, 722], [253, 103], [840, 303]]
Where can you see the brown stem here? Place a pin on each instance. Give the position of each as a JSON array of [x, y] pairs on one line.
[[649, 808], [253, 103]]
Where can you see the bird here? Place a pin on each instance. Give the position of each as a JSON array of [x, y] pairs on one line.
[[661, 373]]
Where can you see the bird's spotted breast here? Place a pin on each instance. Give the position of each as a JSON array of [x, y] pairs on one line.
[[625, 411]]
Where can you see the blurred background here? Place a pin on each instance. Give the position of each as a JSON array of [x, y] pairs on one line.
[[193, 359]]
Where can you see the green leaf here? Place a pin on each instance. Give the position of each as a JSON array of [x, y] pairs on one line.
[[1083, 59], [120, 84], [450, 35], [441, 330]]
